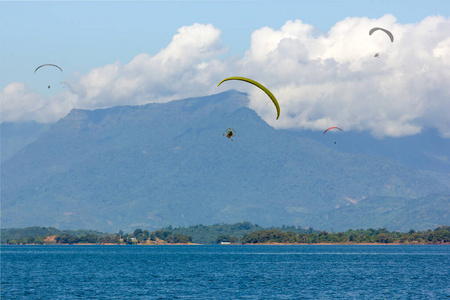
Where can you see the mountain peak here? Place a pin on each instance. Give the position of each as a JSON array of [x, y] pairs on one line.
[[163, 164]]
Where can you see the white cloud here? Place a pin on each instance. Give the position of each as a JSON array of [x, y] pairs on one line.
[[338, 81], [319, 80], [20, 103], [179, 70]]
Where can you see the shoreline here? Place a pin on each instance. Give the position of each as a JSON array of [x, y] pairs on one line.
[[255, 244], [352, 244]]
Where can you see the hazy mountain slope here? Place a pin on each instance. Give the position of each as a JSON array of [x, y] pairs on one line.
[[169, 164], [16, 135], [399, 213], [423, 151]]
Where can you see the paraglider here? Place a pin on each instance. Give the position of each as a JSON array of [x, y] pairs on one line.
[[330, 129], [230, 132], [271, 96], [391, 36], [49, 65]]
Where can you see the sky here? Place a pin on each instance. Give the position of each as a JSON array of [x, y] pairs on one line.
[[316, 57]]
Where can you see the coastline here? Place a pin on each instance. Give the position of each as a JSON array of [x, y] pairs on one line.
[[253, 244], [350, 244], [215, 235]]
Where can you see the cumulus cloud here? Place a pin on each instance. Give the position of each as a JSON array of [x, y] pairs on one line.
[[177, 70], [20, 103], [335, 79], [319, 80]]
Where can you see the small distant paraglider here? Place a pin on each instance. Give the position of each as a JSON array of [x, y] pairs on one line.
[[229, 133], [271, 96], [390, 35], [48, 65], [330, 129]]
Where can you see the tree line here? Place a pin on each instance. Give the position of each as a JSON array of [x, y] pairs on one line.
[[239, 233], [217, 233], [439, 235], [138, 236]]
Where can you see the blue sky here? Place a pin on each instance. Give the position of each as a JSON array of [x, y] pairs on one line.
[[82, 36]]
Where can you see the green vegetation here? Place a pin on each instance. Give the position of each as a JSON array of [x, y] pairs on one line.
[[243, 233], [50, 235], [37, 234], [439, 236], [218, 233]]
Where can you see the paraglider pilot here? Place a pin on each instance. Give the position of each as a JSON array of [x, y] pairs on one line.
[[229, 133]]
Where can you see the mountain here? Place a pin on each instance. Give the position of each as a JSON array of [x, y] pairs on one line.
[[15, 136], [423, 151], [156, 165]]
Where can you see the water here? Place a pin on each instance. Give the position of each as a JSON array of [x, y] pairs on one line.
[[225, 272]]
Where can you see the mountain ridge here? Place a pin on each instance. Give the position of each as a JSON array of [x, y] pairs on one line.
[[169, 164]]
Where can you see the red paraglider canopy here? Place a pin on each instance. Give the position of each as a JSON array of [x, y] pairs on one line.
[[332, 128]]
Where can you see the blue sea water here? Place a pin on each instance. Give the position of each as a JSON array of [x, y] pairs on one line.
[[226, 272]]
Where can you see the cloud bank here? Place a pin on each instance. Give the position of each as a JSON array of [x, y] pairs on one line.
[[319, 80]]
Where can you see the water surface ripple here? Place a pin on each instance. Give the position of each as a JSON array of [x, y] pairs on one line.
[[225, 272]]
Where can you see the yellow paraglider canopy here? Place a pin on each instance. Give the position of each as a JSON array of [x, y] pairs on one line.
[[271, 96]]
